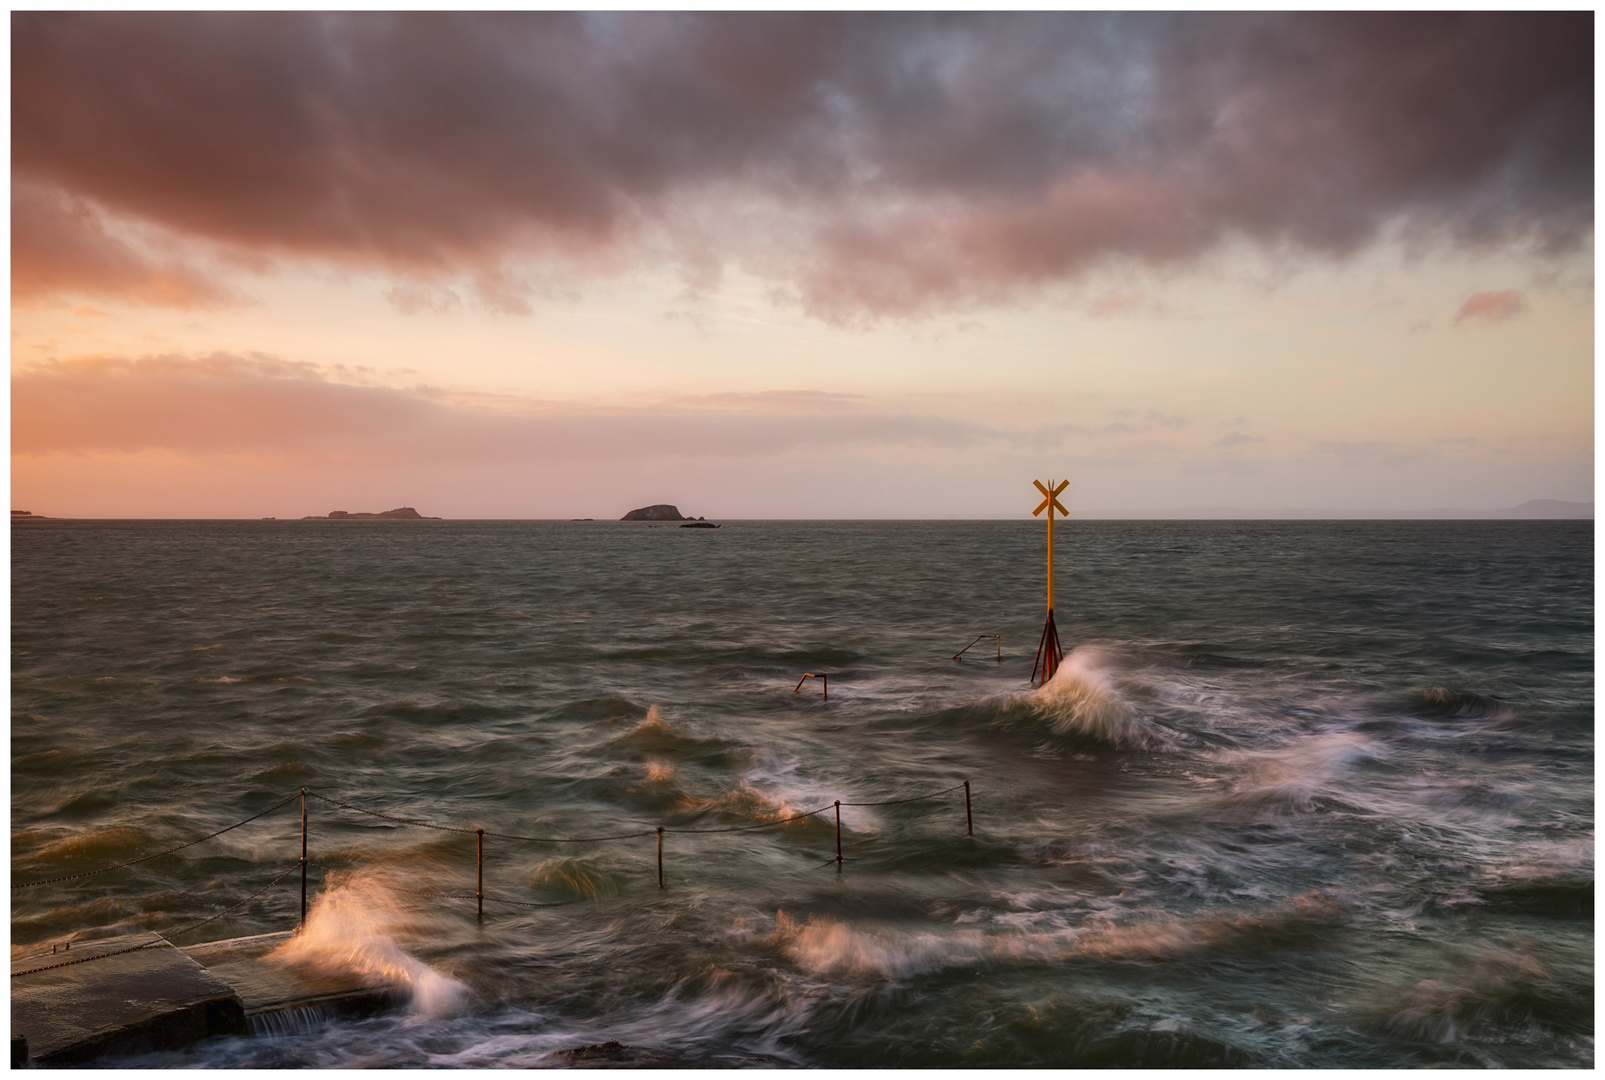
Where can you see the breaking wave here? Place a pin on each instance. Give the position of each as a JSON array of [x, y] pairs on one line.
[[747, 804], [1081, 701], [351, 929]]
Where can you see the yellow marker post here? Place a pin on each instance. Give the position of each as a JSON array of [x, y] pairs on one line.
[[1049, 654]]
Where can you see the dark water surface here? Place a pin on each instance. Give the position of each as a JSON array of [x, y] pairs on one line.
[[1304, 793]]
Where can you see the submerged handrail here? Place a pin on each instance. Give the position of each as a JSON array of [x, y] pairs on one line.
[[982, 637]]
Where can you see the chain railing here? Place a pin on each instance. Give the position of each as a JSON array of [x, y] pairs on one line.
[[480, 835]]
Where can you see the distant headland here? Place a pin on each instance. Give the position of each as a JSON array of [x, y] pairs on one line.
[[400, 513]]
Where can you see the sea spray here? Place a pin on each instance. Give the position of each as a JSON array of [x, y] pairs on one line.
[[1081, 700], [351, 928]]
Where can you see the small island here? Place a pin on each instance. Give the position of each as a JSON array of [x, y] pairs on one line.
[[401, 513], [668, 512], [658, 512]]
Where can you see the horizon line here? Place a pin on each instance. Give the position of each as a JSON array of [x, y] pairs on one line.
[[1203, 514]]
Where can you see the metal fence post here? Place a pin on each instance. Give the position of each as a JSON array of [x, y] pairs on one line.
[[303, 924], [480, 895], [660, 856], [969, 822], [838, 836]]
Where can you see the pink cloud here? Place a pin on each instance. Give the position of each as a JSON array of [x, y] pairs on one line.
[[1491, 306], [60, 244], [1114, 303], [234, 405]]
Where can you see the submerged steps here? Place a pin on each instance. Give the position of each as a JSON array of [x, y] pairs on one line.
[[162, 997]]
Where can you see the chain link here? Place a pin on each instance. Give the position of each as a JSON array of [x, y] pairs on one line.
[[392, 817], [570, 839], [753, 828], [917, 798], [489, 899], [159, 854]]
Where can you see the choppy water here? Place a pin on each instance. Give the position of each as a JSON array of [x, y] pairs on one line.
[[1304, 794]]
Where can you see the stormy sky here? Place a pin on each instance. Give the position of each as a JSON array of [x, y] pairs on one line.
[[487, 261]]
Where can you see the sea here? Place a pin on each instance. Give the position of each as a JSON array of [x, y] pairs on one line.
[[1302, 794]]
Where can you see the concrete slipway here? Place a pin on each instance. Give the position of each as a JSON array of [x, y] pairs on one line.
[[161, 997]]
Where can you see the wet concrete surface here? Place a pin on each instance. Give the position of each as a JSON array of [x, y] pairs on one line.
[[107, 997]]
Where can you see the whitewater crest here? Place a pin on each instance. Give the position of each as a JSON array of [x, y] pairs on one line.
[[746, 803], [351, 928], [1301, 776], [653, 721], [829, 947], [1081, 700]]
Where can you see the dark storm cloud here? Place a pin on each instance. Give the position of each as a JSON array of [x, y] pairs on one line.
[[867, 164]]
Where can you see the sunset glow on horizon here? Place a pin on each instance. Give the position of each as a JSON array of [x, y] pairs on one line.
[[775, 266]]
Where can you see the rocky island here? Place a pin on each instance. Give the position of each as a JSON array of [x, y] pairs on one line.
[[659, 512], [668, 512], [401, 513]]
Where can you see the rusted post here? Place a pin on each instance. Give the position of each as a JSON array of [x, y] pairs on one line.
[[303, 923], [838, 836], [480, 895], [969, 822], [660, 856]]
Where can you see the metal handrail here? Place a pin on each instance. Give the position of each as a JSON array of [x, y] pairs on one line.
[[824, 681]]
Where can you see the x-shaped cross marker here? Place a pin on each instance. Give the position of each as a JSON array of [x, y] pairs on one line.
[[1051, 498]]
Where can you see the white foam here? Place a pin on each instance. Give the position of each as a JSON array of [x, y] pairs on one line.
[[1293, 777], [351, 929], [826, 947], [1081, 699], [778, 774]]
